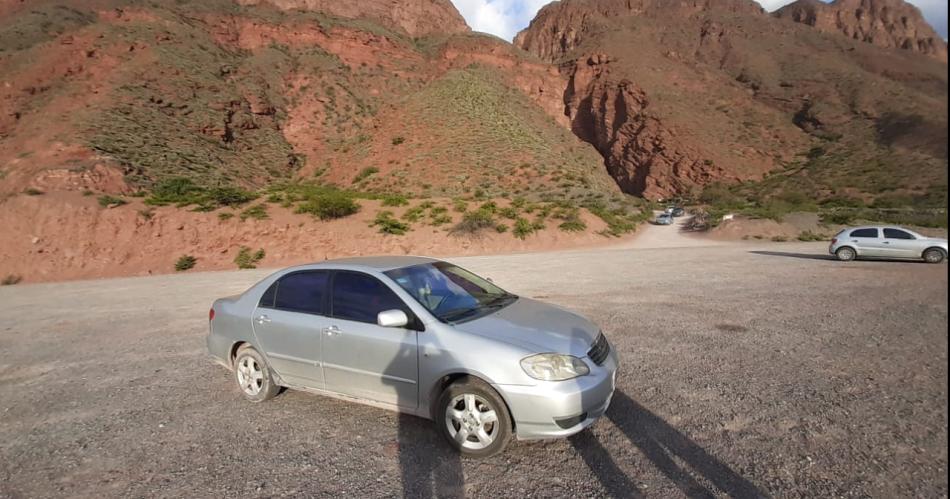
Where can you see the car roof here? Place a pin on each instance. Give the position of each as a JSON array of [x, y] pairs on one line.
[[377, 263]]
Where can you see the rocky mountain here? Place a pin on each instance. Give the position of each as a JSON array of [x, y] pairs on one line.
[[415, 18], [139, 128], [677, 95], [885, 23]]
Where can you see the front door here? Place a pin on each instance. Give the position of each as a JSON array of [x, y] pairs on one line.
[[902, 244], [289, 324], [362, 359], [869, 242]]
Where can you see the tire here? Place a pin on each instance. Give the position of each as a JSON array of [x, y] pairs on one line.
[[473, 418], [846, 254], [934, 255], [253, 376]]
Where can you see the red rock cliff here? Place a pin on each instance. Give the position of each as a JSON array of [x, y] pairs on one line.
[[885, 23], [415, 17]]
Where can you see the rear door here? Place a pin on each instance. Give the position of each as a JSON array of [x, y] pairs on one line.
[[868, 242], [902, 244], [289, 324], [362, 359]]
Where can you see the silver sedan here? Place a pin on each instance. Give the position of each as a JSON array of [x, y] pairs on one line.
[[887, 242], [419, 336]]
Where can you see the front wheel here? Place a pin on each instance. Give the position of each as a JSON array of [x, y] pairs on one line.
[[934, 255], [846, 254], [253, 376], [474, 418]]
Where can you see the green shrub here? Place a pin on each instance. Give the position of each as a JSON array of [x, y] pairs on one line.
[[779, 239], [365, 173], [225, 215], [398, 140], [395, 200], [440, 219], [838, 217], [246, 259], [183, 191], [509, 212], [257, 212], [185, 262], [414, 214], [11, 279], [523, 228], [106, 201], [474, 221], [329, 206], [573, 224], [460, 205], [388, 224], [501, 228], [810, 236]]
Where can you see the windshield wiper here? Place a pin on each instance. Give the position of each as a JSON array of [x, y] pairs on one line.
[[456, 314], [499, 301]]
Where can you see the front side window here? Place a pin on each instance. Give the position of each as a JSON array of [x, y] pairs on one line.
[[360, 297], [897, 234], [865, 233], [302, 292], [451, 293]]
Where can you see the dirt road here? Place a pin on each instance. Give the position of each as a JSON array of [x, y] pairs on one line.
[[747, 370]]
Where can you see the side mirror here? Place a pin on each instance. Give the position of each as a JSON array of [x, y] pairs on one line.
[[392, 318]]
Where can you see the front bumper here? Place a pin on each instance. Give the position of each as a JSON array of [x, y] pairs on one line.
[[538, 409]]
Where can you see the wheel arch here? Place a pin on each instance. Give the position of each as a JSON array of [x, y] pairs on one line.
[[938, 248], [232, 353], [451, 378]]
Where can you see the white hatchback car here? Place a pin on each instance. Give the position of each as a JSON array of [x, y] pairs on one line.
[[887, 242]]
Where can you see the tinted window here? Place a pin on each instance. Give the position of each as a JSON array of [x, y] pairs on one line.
[[302, 292], [897, 234], [267, 299], [864, 233], [359, 297]]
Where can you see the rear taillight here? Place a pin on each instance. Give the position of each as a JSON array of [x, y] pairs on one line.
[[833, 241], [211, 314]]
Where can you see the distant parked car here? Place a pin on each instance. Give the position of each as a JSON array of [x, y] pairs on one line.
[[419, 336], [887, 242], [664, 219], [678, 211]]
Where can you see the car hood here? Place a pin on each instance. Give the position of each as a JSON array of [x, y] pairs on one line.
[[537, 327]]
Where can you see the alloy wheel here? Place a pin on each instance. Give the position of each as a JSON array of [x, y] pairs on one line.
[[250, 375], [471, 421]]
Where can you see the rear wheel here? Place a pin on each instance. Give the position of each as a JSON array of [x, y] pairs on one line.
[[474, 418], [253, 376], [934, 255], [846, 254]]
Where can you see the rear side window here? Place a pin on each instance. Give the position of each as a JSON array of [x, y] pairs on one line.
[[360, 297], [267, 299], [897, 234], [864, 233], [302, 292]]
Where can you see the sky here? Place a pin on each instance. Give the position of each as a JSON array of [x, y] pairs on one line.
[[505, 18]]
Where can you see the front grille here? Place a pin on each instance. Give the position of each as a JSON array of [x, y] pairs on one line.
[[598, 352]]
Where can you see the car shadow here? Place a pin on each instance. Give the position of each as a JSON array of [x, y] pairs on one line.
[[429, 466], [665, 447], [803, 256]]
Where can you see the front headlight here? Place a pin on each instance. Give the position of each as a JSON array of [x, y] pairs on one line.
[[554, 367]]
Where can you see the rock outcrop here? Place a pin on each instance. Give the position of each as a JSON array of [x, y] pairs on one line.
[[559, 27], [644, 156], [885, 23], [415, 17]]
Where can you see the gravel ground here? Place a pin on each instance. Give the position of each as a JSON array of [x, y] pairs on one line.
[[747, 370]]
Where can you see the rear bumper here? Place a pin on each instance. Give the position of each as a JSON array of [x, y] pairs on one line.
[[575, 404]]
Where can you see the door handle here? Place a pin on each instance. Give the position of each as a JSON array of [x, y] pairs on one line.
[[887, 242], [262, 319], [332, 330]]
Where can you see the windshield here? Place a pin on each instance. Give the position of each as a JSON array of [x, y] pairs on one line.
[[451, 293]]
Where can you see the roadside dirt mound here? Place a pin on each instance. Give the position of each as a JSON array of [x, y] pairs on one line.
[[64, 236]]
